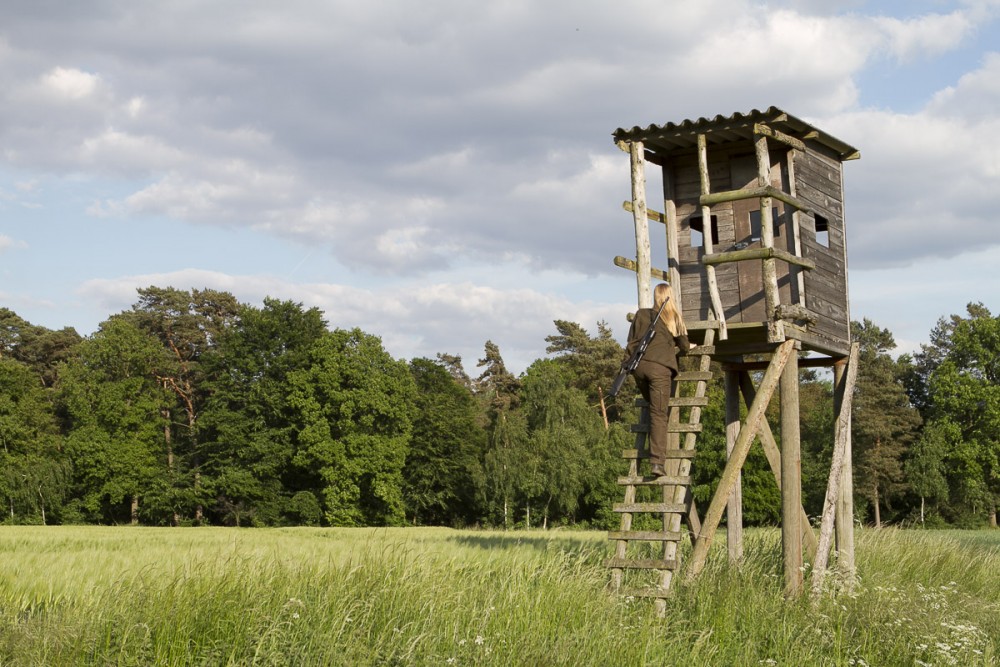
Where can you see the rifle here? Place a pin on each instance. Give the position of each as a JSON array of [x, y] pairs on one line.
[[632, 362]]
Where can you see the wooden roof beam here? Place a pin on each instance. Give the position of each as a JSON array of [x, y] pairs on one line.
[[778, 135]]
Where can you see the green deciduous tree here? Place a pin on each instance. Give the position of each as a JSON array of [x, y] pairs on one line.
[[248, 426], [964, 393], [563, 455], [113, 404], [34, 472], [443, 475], [926, 464], [353, 409]]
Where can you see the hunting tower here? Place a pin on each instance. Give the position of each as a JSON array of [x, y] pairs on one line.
[[753, 215]]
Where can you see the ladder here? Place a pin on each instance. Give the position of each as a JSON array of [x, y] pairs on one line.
[[677, 504]]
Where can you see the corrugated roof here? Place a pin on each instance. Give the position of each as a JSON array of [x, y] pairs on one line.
[[664, 139]]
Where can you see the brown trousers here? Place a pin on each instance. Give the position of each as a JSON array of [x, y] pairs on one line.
[[656, 384]]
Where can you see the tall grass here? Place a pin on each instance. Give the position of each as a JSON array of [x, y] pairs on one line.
[[144, 596]]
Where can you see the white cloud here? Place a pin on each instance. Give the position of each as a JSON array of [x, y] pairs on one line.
[[975, 97], [7, 243], [925, 36], [441, 150], [926, 184], [70, 83], [421, 320]]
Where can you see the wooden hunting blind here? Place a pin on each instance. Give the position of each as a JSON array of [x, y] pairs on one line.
[[753, 214]]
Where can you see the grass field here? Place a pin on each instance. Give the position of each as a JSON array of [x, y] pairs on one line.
[[207, 596]]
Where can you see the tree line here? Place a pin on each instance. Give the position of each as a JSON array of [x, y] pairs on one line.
[[192, 408]]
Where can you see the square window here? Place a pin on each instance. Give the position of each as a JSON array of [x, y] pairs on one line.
[[755, 224], [822, 231], [698, 228]]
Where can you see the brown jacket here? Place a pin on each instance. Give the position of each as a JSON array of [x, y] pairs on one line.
[[664, 348]]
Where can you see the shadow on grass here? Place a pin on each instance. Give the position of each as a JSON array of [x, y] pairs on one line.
[[541, 543]]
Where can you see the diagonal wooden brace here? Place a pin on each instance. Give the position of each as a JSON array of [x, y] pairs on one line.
[[740, 450], [836, 465]]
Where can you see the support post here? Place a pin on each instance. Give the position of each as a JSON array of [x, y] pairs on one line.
[[775, 327], [706, 234], [642, 252], [791, 478], [673, 245], [842, 428], [845, 495], [734, 509]]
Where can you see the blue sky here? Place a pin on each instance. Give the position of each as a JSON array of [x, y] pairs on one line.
[[442, 173]]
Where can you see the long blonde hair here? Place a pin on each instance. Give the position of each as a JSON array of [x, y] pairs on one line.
[[670, 315]]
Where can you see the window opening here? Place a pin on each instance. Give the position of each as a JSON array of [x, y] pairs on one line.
[[755, 224], [822, 231], [698, 229]]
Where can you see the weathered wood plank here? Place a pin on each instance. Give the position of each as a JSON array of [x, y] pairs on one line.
[[819, 201], [758, 253], [645, 535], [754, 192], [706, 216], [671, 454], [770, 277], [655, 216], [688, 401], [662, 480], [626, 263], [641, 564], [791, 478], [655, 593], [817, 341], [671, 428], [778, 135], [641, 220], [842, 429], [649, 508]]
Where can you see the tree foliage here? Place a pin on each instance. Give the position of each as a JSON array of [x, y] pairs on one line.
[[193, 408]]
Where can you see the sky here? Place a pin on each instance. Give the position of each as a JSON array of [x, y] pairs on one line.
[[441, 173]]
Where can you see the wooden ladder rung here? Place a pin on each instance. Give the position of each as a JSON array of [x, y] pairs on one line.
[[641, 564], [694, 376], [671, 428], [647, 593], [654, 508], [689, 401], [645, 535], [650, 480], [671, 454]]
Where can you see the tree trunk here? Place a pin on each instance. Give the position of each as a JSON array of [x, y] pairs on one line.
[[527, 516], [135, 509], [604, 409], [993, 518], [878, 514], [506, 519], [921, 510]]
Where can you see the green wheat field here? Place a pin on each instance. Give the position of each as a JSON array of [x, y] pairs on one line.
[[433, 596]]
